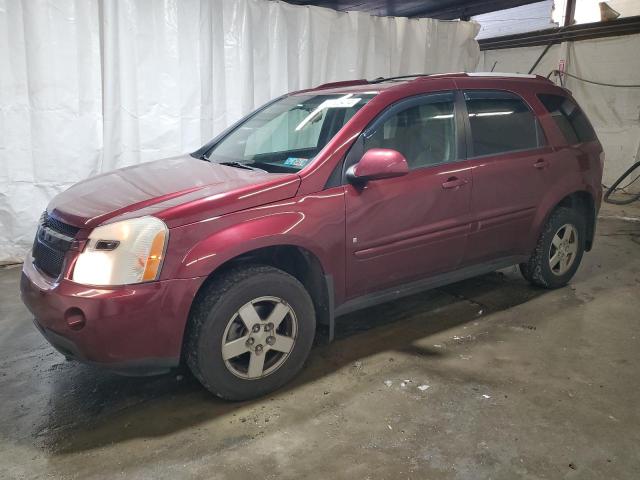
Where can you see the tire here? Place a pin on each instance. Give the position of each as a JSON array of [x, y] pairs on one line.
[[226, 309], [538, 269]]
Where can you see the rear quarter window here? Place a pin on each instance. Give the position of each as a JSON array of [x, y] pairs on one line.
[[569, 118]]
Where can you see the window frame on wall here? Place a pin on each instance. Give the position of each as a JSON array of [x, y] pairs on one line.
[[498, 94]]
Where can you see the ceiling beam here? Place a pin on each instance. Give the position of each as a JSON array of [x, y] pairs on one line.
[[572, 33], [440, 9], [468, 8]]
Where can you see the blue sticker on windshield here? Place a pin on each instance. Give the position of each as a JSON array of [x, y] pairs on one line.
[[296, 162]]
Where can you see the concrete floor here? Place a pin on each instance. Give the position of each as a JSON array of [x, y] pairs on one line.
[[522, 383]]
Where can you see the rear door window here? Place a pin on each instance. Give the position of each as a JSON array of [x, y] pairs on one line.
[[569, 118], [500, 122]]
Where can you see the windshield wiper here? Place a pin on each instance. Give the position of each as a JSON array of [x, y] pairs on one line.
[[237, 165]]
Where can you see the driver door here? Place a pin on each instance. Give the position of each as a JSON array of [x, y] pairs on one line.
[[414, 226]]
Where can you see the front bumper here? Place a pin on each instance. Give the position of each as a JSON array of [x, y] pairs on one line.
[[134, 329]]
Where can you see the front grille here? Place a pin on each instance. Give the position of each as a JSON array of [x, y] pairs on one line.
[[58, 226], [52, 241], [47, 259]]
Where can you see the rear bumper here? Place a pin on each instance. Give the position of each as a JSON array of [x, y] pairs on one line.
[[135, 329]]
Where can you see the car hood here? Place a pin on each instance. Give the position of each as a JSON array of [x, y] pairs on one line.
[[179, 190]]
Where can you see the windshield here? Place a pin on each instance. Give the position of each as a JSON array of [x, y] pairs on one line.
[[286, 135]]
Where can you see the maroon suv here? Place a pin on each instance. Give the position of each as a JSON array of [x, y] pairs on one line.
[[321, 202]]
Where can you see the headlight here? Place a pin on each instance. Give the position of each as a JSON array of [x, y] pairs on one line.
[[121, 253]]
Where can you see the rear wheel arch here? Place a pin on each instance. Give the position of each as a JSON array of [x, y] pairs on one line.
[[297, 261], [559, 249], [583, 202], [580, 200]]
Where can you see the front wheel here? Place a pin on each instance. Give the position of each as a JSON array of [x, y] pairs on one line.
[[559, 250], [250, 332]]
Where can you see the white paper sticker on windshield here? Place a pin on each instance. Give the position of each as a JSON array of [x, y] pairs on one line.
[[341, 102]]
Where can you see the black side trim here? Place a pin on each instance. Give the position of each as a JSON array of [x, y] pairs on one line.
[[425, 284], [331, 306], [463, 127], [352, 157]]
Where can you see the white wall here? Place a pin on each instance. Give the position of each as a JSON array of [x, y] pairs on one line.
[[614, 112], [92, 85]]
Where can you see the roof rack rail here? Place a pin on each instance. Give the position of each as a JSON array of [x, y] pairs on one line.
[[345, 83], [501, 74], [399, 77], [363, 81]]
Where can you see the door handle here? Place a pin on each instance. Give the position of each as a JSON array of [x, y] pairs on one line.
[[541, 163], [454, 182]]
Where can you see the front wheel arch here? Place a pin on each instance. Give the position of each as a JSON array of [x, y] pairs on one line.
[[211, 348], [297, 261]]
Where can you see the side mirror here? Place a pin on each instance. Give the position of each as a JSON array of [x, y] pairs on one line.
[[376, 164]]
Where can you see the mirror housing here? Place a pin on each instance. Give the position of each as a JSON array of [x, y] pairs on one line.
[[376, 164]]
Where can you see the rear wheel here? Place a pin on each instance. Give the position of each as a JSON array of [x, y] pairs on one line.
[[250, 332], [559, 250]]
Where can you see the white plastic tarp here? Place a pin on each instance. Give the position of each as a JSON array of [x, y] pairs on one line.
[[87, 86]]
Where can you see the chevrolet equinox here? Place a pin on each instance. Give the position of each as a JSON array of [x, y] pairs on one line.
[[232, 259]]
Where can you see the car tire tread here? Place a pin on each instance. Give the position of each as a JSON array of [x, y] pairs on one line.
[[536, 270], [210, 302]]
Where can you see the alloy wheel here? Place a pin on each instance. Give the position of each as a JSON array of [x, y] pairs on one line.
[[563, 250], [259, 337]]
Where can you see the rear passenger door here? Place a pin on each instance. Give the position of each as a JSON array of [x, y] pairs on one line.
[[510, 162]]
